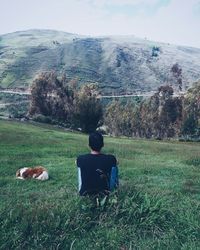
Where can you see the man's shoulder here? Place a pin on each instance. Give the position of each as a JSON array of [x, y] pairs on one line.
[[109, 157], [84, 156], [101, 157]]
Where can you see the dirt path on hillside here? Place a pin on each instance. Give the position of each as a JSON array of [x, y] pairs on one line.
[[139, 94], [15, 92], [2, 105]]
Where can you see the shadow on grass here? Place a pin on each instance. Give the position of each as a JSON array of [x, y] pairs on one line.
[[193, 162]]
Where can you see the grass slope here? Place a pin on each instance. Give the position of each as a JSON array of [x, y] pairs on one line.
[[119, 64], [158, 200]]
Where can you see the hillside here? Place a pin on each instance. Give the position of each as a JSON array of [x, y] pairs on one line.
[[157, 205], [118, 64]]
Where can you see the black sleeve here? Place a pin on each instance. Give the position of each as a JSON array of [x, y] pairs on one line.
[[78, 161], [114, 161]]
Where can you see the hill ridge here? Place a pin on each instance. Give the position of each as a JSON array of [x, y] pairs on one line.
[[119, 64]]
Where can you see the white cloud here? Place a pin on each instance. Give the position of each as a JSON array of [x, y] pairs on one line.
[[121, 2], [176, 22]]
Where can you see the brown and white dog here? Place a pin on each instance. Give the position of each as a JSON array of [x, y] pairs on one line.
[[39, 173]]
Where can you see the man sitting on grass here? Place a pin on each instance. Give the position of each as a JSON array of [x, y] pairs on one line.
[[97, 172]]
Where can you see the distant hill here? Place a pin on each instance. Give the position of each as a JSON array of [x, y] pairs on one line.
[[119, 64]]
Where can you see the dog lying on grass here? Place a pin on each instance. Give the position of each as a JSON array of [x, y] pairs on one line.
[[39, 173]]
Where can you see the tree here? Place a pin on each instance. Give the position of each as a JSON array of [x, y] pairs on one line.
[[155, 51], [168, 121], [191, 113], [64, 102], [176, 71], [189, 125], [160, 115], [119, 118], [51, 97], [88, 109], [111, 118]]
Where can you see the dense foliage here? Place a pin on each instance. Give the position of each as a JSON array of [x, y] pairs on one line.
[[161, 116], [62, 102]]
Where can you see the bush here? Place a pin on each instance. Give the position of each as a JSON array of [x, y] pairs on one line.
[[18, 110], [42, 119]]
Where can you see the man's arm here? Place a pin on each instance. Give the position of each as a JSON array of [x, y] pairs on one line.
[[114, 181], [78, 175]]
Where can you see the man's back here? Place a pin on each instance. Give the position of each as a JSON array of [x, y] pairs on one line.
[[95, 171]]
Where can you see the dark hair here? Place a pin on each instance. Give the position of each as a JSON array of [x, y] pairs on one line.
[[96, 141]]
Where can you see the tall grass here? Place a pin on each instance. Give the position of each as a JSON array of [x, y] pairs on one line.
[[156, 207]]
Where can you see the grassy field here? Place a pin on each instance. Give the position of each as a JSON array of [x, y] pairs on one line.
[[158, 202]]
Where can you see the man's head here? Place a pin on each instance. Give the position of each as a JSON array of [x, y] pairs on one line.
[[96, 141]]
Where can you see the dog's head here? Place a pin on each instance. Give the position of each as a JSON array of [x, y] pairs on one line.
[[18, 173]]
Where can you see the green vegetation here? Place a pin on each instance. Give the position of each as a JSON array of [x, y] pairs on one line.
[[8, 80], [9, 97], [14, 105], [64, 103], [119, 64], [163, 115], [158, 200]]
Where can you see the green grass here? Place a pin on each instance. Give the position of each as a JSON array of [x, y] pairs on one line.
[[157, 203]]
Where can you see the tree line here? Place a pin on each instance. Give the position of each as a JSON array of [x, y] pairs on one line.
[[160, 116], [163, 115]]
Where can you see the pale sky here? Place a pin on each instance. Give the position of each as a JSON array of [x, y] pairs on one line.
[[170, 21]]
